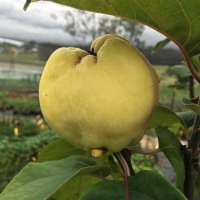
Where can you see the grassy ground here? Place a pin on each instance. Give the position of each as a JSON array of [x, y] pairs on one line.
[[23, 58], [166, 91], [19, 86]]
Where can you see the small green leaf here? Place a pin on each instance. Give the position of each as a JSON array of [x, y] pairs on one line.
[[196, 63], [181, 71], [38, 181], [145, 185], [58, 150], [167, 139], [163, 117], [116, 174], [187, 117], [160, 45], [191, 106], [179, 86]]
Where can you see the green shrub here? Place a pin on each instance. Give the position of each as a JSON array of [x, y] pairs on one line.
[[20, 142], [19, 104]]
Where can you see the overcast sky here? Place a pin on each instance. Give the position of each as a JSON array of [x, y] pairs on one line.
[[38, 24]]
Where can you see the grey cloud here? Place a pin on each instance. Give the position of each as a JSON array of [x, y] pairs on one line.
[[38, 24], [34, 17]]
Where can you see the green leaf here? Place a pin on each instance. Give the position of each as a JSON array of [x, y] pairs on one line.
[[145, 185], [75, 187], [167, 139], [160, 45], [181, 71], [191, 106], [27, 4], [179, 86], [38, 181], [187, 117], [177, 20], [163, 117], [117, 173], [58, 150], [196, 63]]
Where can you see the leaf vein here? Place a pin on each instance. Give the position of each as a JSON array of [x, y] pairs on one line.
[[189, 23], [150, 16]]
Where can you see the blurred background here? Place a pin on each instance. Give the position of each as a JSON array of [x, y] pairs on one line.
[[27, 39]]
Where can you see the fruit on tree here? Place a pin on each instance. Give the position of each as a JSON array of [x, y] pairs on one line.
[[102, 99]]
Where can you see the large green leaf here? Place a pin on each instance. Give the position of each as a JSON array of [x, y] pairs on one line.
[[163, 117], [145, 185], [38, 181], [190, 105], [167, 139], [177, 20], [58, 150], [75, 187]]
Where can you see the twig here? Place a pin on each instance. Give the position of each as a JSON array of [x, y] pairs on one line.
[[123, 163], [150, 153], [127, 156], [191, 87], [124, 159], [125, 167]]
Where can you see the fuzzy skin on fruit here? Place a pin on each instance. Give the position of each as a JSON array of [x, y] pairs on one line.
[[99, 101]]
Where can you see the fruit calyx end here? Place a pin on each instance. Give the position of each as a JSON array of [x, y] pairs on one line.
[[91, 52]]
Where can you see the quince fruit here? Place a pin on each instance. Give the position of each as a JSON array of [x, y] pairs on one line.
[[102, 99]]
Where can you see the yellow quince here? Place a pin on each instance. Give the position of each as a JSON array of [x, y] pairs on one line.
[[102, 99]]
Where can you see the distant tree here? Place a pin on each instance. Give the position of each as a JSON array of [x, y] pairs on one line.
[[28, 46], [6, 46], [166, 56], [86, 26], [45, 50]]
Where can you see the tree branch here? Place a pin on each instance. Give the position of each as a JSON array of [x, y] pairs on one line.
[[190, 174], [195, 137], [194, 143], [191, 87], [190, 155]]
